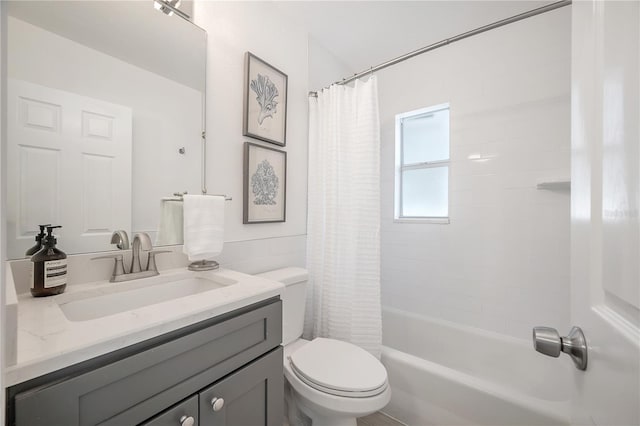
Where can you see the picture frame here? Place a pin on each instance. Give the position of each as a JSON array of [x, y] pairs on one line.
[[265, 101], [265, 184]]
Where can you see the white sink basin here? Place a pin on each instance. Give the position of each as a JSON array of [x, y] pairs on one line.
[[114, 298]]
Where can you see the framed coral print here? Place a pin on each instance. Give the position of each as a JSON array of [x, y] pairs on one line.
[[265, 184], [265, 101]]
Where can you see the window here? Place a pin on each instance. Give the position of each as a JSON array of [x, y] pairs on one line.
[[422, 165]]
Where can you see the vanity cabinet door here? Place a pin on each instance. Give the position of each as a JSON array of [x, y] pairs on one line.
[[252, 396], [182, 414]]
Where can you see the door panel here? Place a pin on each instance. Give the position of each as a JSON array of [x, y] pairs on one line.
[[63, 148], [38, 171], [605, 209]]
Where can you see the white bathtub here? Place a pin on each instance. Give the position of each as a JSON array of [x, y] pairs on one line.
[[442, 373]]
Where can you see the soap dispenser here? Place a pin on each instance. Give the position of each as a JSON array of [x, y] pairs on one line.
[[39, 238], [49, 273]]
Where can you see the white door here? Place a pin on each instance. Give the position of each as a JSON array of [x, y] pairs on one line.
[[605, 224], [69, 164]]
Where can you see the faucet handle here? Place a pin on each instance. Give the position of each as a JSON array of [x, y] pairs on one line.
[[143, 241], [118, 266], [120, 239], [151, 262]]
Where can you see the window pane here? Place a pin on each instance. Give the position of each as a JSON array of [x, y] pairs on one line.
[[424, 192], [426, 137]]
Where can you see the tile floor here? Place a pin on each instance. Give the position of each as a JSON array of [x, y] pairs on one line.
[[378, 419]]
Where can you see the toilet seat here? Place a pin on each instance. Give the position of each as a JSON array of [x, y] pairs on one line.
[[339, 368]]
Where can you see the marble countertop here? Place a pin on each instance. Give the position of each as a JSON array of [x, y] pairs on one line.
[[47, 341]]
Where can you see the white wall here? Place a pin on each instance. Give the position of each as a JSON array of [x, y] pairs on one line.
[[502, 264], [324, 67], [166, 114], [234, 28]]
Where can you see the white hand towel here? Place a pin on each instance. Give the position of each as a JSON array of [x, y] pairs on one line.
[[203, 226], [170, 230]]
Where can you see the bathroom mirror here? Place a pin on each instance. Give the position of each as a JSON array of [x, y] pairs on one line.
[[105, 120]]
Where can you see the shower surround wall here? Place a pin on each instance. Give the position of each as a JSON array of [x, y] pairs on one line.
[[502, 263]]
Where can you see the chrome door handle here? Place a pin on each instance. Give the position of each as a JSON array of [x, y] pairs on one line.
[[547, 341]]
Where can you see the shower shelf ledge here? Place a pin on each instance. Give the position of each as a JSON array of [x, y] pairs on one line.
[[555, 185]]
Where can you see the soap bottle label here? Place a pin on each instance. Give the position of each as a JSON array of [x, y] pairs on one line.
[[55, 273]]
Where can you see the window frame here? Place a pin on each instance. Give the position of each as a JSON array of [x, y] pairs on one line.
[[400, 167]]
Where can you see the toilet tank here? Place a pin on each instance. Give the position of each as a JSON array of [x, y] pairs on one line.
[[293, 300]]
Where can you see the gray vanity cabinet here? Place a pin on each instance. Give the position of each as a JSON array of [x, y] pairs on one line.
[[236, 357]]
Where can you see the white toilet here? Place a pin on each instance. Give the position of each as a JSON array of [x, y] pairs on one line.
[[332, 382]]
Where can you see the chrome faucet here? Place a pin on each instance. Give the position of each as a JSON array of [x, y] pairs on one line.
[[141, 241]]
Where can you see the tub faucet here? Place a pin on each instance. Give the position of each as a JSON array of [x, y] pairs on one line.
[[141, 241]]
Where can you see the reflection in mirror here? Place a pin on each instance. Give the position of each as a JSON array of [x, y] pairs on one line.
[[105, 116]]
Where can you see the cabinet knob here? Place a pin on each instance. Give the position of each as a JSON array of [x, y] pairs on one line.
[[187, 421], [217, 404]]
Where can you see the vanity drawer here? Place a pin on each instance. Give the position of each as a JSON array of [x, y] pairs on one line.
[[135, 388]]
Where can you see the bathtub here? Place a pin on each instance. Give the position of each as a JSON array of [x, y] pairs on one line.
[[443, 373]]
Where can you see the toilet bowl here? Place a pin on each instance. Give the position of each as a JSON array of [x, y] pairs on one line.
[[332, 382], [324, 393]]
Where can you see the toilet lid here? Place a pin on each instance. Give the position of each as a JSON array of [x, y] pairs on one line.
[[339, 368]]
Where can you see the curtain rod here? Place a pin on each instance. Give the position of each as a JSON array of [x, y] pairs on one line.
[[447, 41]]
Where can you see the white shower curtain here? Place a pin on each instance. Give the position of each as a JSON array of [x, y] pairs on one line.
[[343, 240]]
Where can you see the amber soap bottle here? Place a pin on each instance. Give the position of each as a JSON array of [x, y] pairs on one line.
[[49, 272]]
